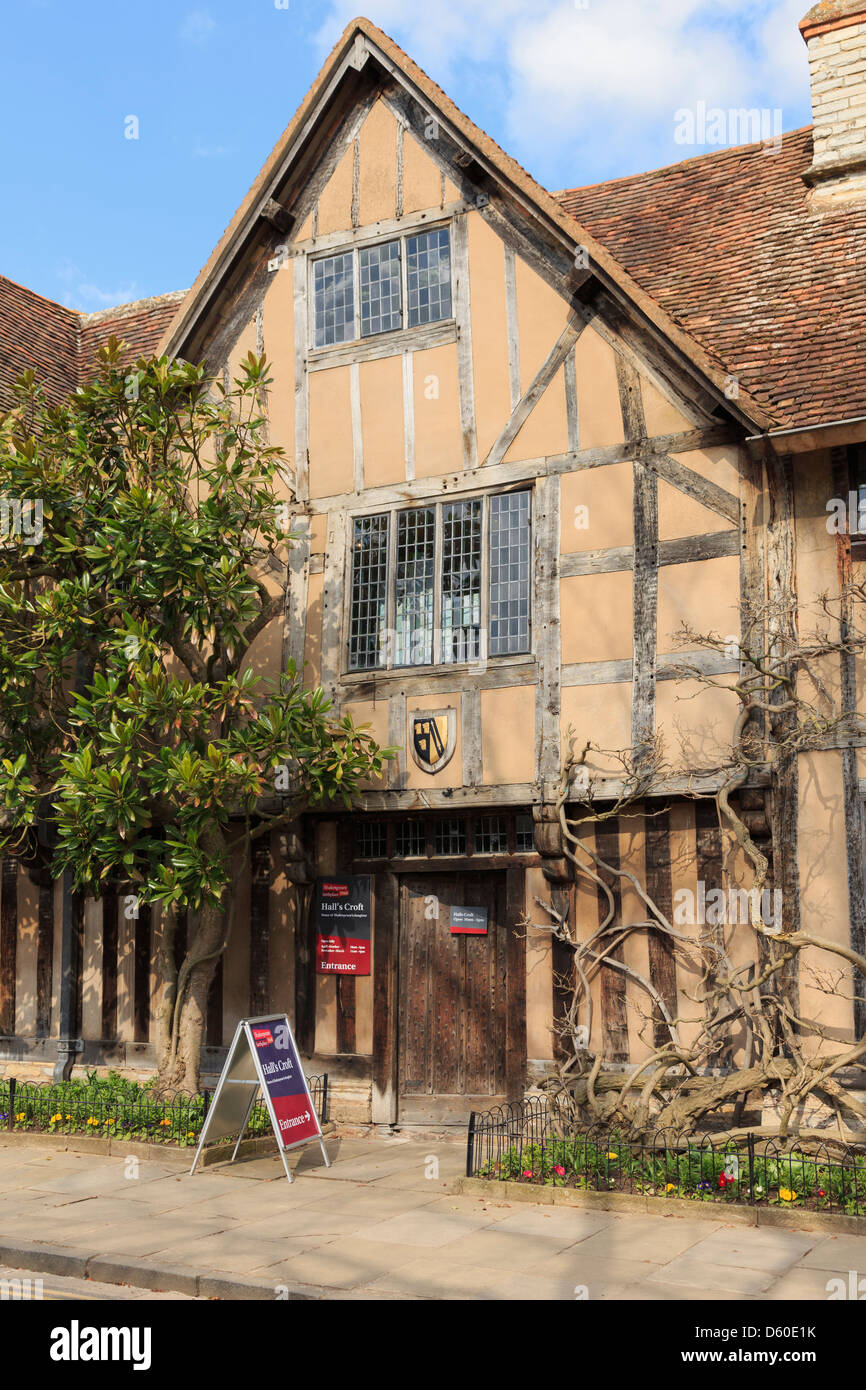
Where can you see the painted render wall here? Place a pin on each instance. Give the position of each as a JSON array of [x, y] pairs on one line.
[[378, 424]]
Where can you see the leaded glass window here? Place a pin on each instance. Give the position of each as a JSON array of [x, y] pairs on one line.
[[413, 635], [380, 288], [461, 580], [369, 591], [361, 293], [449, 836], [490, 835], [524, 839], [428, 276], [334, 298], [410, 838], [372, 842], [509, 573], [425, 603]]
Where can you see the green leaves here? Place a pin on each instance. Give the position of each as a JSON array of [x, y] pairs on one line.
[[126, 703]]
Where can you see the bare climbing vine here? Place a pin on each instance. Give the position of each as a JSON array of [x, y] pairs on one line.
[[737, 1035]]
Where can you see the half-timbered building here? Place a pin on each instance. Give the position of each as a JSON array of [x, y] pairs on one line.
[[530, 435]]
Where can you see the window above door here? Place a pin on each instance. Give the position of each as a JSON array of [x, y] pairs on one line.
[[366, 291], [483, 838]]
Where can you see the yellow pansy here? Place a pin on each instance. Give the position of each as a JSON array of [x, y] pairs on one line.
[[786, 1194]]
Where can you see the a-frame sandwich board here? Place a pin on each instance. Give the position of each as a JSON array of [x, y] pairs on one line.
[[263, 1054]]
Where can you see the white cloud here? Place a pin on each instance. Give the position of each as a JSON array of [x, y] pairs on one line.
[[594, 90], [80, 292], [202, 151], [197, 26]]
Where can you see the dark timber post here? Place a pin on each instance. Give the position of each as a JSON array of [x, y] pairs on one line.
[[68, 1044]]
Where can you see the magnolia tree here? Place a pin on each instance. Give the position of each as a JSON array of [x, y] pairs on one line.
[[144, 536], [734, 1030]]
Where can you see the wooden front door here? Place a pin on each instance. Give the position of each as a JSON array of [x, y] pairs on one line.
[[453, 1021]]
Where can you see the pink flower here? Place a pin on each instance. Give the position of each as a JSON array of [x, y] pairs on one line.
[[559, 1170], [527, 1172]]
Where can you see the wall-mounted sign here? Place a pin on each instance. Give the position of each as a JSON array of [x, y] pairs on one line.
[[263, 1056], [342, 918], [433, 737], [468, 921]]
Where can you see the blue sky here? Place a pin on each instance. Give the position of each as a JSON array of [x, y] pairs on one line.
[[577, 90]]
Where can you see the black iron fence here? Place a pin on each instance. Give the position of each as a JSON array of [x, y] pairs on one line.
[[517, 1143], [124, 1109]]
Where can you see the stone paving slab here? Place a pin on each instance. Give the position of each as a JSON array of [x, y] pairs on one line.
[[539, 1220], [773, 1251], [430, 1228], [493, 1248], [239, 1253], [372, 1200], [588, 1271], [694, 1273], [383, 1222], [639, 1237], [802, 1283], [835, 1253], [309, 1220], [350, 1263]]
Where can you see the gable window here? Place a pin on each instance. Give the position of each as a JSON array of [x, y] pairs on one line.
[[442, 583], [401, 283], [334, 293], [428, 276]]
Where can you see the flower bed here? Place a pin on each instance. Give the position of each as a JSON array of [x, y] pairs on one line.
[[113, 1107], [519, 1148]]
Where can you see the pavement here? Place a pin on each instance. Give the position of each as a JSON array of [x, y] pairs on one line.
[[385, 1221], [28, 1285]]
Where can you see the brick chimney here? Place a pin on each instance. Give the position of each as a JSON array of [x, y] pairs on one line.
[[835, 34]]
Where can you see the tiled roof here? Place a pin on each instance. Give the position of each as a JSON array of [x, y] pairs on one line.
[[60, 344], [140, 324], [728, 245], [723, 254], [184, 326], [37, 333]]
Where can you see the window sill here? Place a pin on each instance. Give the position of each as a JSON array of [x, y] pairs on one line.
[[392, 344], [442, 671]]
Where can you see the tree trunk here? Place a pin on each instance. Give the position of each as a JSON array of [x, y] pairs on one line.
[[181, 1031], [180, 1063], [168, 975]]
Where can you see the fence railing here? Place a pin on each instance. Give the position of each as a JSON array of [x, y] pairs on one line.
[[517, 1143], [124, 1110]]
